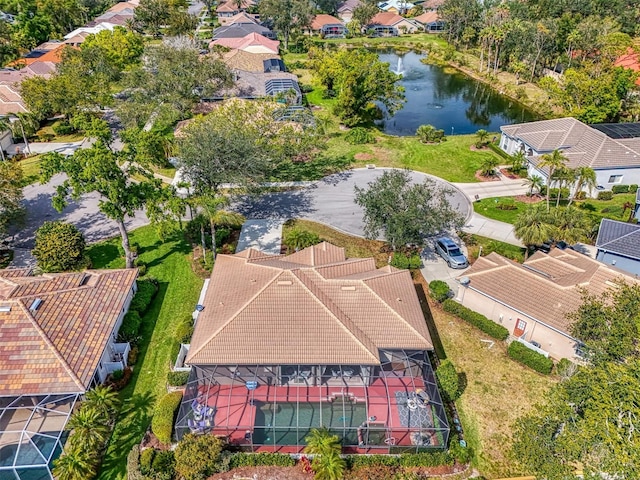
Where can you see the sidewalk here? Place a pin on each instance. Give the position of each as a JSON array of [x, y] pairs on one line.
[[37, 148]]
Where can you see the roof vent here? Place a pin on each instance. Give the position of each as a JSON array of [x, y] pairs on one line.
[[285, 282], [350, 288], [398, 299], [5, 308], [465, 281], [35, 305]]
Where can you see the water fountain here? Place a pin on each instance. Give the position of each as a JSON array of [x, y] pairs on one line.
[[399, 67]]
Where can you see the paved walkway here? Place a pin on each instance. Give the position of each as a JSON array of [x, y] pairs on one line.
[[263, 235], [37, 148]]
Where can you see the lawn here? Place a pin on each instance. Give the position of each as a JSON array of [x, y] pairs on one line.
[[598, 209], [168, 262], [412, 41], [47, 129], [497, 391], [30, 169], [488, 245]]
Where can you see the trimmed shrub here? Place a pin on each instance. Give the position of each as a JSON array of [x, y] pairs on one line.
[[260, 459], [633, 188], [62, 127], [147, 289], [448, 380], [130, 326], [532, 359], [59, 247], [605, 195], [146, 459], [581, 195], [164, 465], [184, 330], [620, 189], [400, 260], [426, 459], [507, 204], [415, 261], [177, 379], [119, 384], [197, 456], [476, 319], [359, 136], [430, 134], [164, 416], [133, 464], [439, 290], [499, 151]]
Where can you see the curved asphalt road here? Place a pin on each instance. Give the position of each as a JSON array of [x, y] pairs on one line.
[[331, 200]]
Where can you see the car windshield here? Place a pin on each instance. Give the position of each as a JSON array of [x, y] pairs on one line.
[[455, 252]]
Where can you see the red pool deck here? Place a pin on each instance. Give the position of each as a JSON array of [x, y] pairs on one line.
[[236, 414]]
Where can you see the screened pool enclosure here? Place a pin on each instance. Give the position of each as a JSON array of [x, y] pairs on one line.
[[393, 407]]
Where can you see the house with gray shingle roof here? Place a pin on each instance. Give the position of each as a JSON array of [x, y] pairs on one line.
[[289, 343], [616, 161], [532, 300], [618, 244]]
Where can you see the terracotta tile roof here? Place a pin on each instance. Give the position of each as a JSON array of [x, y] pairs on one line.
[[321, 20], [427, 17], [630, 60], [583, 145], [619, 237], [232, 6], [10, 100], [252, 42], [388, 19], [118, 7], [56, 348], [545, 287], [314, 306]]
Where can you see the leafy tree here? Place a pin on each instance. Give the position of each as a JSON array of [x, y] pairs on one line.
[[8, 49], [364, 12], [328, 6], [406, 212], [519, 162], [448, 380], [182, 23], [585, 177], [321, 441], [533, 227], [76, 463], [172, 80], [11, 209], [152, 15], [552, 161], [197, 456], [430, 134], [212, 208], [121, 48], [89, 427], [360, 79], [297, 239], [59, 247], [287, 15], [534, 182], [97, 169], [103, 399]]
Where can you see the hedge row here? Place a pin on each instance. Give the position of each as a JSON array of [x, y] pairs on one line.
[[177, 379], [164, 416], [476, 319], [400, 260], [624, 188], [605, 195], [532, 359], [147, 289], [498, 150], [260, 459], [427, 459]]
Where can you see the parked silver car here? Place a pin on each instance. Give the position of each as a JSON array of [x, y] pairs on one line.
[[450, 251]]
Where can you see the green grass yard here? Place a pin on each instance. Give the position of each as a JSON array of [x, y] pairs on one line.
[[168, 262]]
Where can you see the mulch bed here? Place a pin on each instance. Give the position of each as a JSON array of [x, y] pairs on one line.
[[507, 173], [529, 199], [263, 473], [482, 178]]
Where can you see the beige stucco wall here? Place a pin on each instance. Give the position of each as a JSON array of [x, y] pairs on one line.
[[411, 28], [558, 345]]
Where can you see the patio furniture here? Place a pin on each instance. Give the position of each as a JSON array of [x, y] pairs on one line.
[[390, 441], [348, 373], [422, 397]]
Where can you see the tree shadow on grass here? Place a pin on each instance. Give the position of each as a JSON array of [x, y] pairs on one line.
[[433, 331], [103, 255], [462, 382]]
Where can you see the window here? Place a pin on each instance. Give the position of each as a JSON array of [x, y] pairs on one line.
[[615, 179]]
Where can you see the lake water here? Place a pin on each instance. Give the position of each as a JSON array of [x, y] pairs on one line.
[[447, 100]]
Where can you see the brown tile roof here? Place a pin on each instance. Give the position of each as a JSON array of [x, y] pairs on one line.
[[545, 287], [250, 62], [118, 7], [10, 100], [56, 348], [232, 6], [348, 6], [582, 145], [312, 307], [321, 20], [242, 17], [427, 17], [388, 19]]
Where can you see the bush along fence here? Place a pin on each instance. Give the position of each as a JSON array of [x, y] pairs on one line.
[[165, 415], [532, 359]]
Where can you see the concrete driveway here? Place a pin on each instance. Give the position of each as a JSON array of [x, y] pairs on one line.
[[435, 268]]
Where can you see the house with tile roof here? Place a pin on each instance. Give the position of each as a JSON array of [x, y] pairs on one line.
[[618, 244], [389, 24], [430, 21], [532, 300], [241, 30], [57, 340], [346, 8], [251, 43], [614, 157], [630, 60], [229, 9], [327, 26], [289, 343], [401, 7]]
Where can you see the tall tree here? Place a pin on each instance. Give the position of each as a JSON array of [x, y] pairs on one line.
[[533, 227], [287, 15], [213, 209], [364, 12], [153, 15], [552, 161], [570, 224], [119, 47], [75, 463], [563, 177], [89, 428], [585, 177], [534, 182], [11, 209], [403, 211]]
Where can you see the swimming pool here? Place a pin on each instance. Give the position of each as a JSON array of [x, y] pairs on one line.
[[289, 423]]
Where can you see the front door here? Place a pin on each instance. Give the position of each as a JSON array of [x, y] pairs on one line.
[[520, 328]]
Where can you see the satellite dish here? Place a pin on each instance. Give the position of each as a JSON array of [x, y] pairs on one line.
[[465, 281]]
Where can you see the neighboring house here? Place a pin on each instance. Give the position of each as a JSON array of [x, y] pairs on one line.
[[285, 344], [230, 8], [430, 21], [532, 299], [618, 244], [615, 155], [78, 35], [328, 26], [243, 17], [431, 5], [345, 9], [57, 340], [240, 30], [252, 43], [252, 85], [47, 52], [11, 101], [630, 60], [253, 62], [387, 24], [401, 7]]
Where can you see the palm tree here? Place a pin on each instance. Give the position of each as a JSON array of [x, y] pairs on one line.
[[482, 135], [75, 463], [518, 161], [90, 429], [552, 161], [330, 466], [297, 239], [212, 209], [570, 224], [322, 442], [532, 227], [563, 176], [534, 181], [488, 166], [585, 177], [104, 399]]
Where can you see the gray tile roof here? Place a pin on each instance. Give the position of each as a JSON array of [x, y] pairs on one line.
[[620, 238], [583, 145], [239, 30]]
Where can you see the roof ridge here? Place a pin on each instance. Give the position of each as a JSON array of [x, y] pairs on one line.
[[325, 304], [386, 304], [51, 346], [632, 232]]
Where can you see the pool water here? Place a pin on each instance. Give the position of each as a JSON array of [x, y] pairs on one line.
[[290, 423]]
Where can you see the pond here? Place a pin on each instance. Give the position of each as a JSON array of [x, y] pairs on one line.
[[448, 100]]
